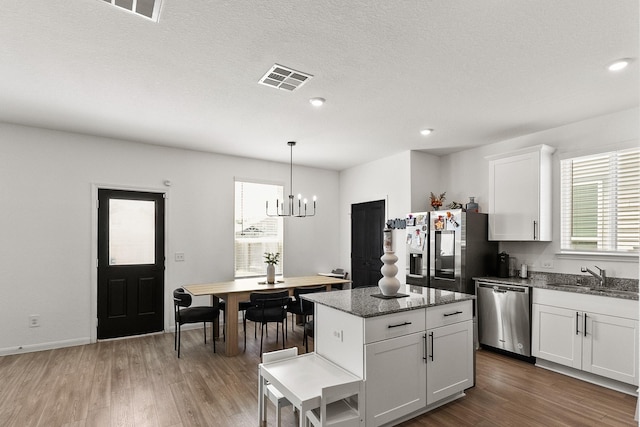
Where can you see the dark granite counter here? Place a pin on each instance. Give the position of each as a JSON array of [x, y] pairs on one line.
[[361, 303], [616, 288]]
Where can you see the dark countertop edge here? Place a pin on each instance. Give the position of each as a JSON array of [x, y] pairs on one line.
[[466, 297], [460, 297], [541, 284]]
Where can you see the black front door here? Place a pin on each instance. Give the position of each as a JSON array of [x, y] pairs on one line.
[[130, 263], [367, 225]]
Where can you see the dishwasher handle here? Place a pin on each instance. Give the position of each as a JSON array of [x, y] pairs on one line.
[[502, 289]]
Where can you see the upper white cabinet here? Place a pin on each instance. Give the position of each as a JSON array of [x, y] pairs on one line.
[[520, 195]]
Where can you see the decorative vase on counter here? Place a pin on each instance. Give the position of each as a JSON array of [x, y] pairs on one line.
[[271, 274], [389, 284]]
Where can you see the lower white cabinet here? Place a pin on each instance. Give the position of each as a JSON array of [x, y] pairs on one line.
[[575, 334], [396, 378], [449, 360], [408, 360]]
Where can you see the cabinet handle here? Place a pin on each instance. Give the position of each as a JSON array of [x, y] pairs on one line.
[[452, 314], [424, 348], [577, 331], [399, 324], [535, 223], [585, 324], [431, 336]]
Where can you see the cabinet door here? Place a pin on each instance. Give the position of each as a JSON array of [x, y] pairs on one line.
[[610, 347], [395, 382], [557, 335], [514, 197], [449, 360]]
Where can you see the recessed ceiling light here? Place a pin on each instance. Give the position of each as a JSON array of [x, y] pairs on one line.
[[425, 132], [619, 64], [317, 102]]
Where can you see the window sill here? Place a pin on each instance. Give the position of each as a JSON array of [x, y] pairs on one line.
[[622, 257]]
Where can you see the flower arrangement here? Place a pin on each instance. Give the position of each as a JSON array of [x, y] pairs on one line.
[[271, 258], [436, 201]]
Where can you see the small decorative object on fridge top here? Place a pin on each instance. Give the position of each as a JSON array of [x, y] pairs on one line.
[[436, 201], [472, 206]]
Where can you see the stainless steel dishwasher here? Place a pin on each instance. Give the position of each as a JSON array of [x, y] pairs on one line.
[[504, 317]]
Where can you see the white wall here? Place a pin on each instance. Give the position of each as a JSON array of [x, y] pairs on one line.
[[407, 178], [425, 178], [385, 179], [466, 174], [47, 223]]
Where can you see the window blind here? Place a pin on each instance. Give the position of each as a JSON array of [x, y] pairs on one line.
[[600, 202], [255, 232]]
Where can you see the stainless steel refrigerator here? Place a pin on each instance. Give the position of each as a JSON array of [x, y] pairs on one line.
[[417, 242], [459, 249]]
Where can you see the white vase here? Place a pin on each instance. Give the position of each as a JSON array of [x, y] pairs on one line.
[[271, 273], [389, 284]]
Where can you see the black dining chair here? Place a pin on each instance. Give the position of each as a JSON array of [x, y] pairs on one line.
[[184, 313], [267, 307], [302, 307]]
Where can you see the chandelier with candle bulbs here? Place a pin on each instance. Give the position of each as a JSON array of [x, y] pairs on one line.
[[302, 209]]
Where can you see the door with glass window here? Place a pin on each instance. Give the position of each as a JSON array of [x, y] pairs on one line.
[[130, 263]]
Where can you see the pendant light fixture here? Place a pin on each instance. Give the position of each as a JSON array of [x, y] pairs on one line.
[[302, 203]]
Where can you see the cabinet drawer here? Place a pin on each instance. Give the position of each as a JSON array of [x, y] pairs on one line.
[[449, 313], [393, 325]]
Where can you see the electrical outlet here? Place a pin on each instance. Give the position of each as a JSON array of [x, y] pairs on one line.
[[337, 335], [34, 321], [179, 256], [547, 263]]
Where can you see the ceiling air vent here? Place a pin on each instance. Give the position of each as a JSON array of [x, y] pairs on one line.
[[284, 78], [147, 8]]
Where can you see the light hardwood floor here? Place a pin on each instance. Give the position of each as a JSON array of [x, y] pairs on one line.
[[141, 382]]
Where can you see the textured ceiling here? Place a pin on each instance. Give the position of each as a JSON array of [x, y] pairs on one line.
[[476, 71]]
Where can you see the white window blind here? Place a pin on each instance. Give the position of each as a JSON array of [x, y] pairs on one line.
[[255, 232], [601, 202]]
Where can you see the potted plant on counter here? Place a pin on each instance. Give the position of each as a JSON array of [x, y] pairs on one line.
[[271, 259]]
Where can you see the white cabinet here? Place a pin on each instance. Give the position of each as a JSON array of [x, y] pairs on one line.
[[449, 360], [555, 335], [395, 384], [610, 347], [520, 195], [408, 360], [573, 330]]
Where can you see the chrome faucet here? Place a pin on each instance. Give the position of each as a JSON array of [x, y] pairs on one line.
[[602, 277]]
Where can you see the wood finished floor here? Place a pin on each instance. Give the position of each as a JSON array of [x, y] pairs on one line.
[[141, 382]]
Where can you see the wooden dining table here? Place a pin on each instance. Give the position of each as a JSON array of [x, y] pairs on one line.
[[238, 290]]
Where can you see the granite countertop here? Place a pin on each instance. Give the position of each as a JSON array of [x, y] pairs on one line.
[[618, 288], [361, 303]]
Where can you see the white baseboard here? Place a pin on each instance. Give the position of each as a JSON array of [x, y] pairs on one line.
[[43, 346], [588, 377]]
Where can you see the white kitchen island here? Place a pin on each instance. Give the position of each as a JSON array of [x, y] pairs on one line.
[[414, 353]]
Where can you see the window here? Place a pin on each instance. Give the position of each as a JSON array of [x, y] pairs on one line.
[[255, 232], [601, 202]]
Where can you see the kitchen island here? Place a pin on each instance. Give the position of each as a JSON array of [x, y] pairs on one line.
[[414, 353]]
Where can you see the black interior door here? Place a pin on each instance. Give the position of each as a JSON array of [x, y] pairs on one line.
[[367, 225], [130, 263]]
